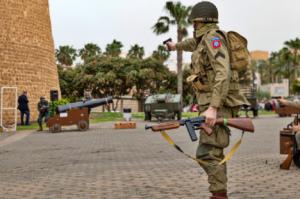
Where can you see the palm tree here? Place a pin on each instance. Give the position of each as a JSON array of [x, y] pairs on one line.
[[161, 54], [136, 52], [294, 46], [284, 62], [90, 50], [114, 49], [178, 16], [65, 55], [275, 64]]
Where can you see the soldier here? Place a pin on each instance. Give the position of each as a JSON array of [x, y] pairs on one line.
[[296, 128], [43, 108], [217, 89]]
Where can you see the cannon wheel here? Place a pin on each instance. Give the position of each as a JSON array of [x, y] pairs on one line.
[[83, 125], [55, 128], [296, 158]]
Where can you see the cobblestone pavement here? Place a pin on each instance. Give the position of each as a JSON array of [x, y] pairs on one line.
[[107, 163]]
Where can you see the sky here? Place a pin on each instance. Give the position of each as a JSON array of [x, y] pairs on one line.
[[267, 24]]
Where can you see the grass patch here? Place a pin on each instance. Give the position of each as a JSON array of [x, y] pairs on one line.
[[96, 117], [32, 126], [113, 116], [189, 114]]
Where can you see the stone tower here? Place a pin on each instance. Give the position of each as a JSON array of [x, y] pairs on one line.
[[27, 58]]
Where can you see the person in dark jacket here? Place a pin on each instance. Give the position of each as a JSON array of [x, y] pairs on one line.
[[23, 107], [43, 108]]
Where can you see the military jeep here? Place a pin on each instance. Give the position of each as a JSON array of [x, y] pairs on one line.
[[163, 106], [250, 94]]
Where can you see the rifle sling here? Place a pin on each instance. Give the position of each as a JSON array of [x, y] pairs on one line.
[[202, 162]]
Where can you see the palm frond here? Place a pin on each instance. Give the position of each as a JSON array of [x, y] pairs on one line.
[[160, 28]]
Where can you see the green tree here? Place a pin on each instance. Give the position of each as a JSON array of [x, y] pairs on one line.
[[294, 46], [188, 92], [161, 54], [285, 67], [148, 75], [116, 76], [263, 69], [296, 87], [178, 16], [67, 83], [114, 49], [136, 52], [89, 51], [274, 64], [65, 55]]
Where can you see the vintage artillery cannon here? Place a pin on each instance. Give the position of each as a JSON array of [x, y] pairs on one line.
[[288, 144], [75, 114]]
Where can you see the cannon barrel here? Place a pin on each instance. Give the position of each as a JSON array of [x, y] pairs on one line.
[[85, 104]]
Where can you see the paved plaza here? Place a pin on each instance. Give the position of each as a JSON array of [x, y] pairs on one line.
[[114, 164]]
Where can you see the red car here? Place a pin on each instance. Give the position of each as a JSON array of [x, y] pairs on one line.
[[194, 108]]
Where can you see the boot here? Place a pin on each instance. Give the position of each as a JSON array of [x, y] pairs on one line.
[[219, 195]]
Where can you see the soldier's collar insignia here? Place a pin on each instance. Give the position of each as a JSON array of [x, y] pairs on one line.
[[216, 42]]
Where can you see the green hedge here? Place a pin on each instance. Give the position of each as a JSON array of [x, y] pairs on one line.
[[55, 104]]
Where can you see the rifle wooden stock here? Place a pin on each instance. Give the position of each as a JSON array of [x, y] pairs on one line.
[[164, 126], [244, 124], [288, 161]]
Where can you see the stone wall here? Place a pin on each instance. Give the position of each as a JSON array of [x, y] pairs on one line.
[[27, 58]]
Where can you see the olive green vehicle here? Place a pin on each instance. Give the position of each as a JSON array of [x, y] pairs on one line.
[[250, 94], [163, 106]]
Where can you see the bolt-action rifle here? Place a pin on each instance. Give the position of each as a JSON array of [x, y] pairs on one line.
[[192, 124]]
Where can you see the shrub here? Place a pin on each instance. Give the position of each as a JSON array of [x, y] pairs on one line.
[[53, 105]]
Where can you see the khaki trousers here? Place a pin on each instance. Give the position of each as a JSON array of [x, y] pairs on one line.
[[211, 149]]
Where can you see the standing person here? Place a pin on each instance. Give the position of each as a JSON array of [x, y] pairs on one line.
[[23, 107], [43, 108], [217, 89]]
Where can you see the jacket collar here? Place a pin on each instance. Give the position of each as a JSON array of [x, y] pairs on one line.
[[199, 32]]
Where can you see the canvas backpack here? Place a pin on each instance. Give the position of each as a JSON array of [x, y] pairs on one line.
[[239, 56], [238, 52]]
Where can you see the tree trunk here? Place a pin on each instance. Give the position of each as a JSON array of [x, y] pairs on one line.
[[295, 64], [179, 63]]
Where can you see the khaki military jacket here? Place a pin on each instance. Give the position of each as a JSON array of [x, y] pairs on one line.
[[211, 63]]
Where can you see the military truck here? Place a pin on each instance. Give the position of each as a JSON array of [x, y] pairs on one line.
[[163, 106]]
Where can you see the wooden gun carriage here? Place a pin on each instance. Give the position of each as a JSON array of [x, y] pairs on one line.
[[77, 113], [288, 143]]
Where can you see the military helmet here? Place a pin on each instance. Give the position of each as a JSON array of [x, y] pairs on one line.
[[205, 12]]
